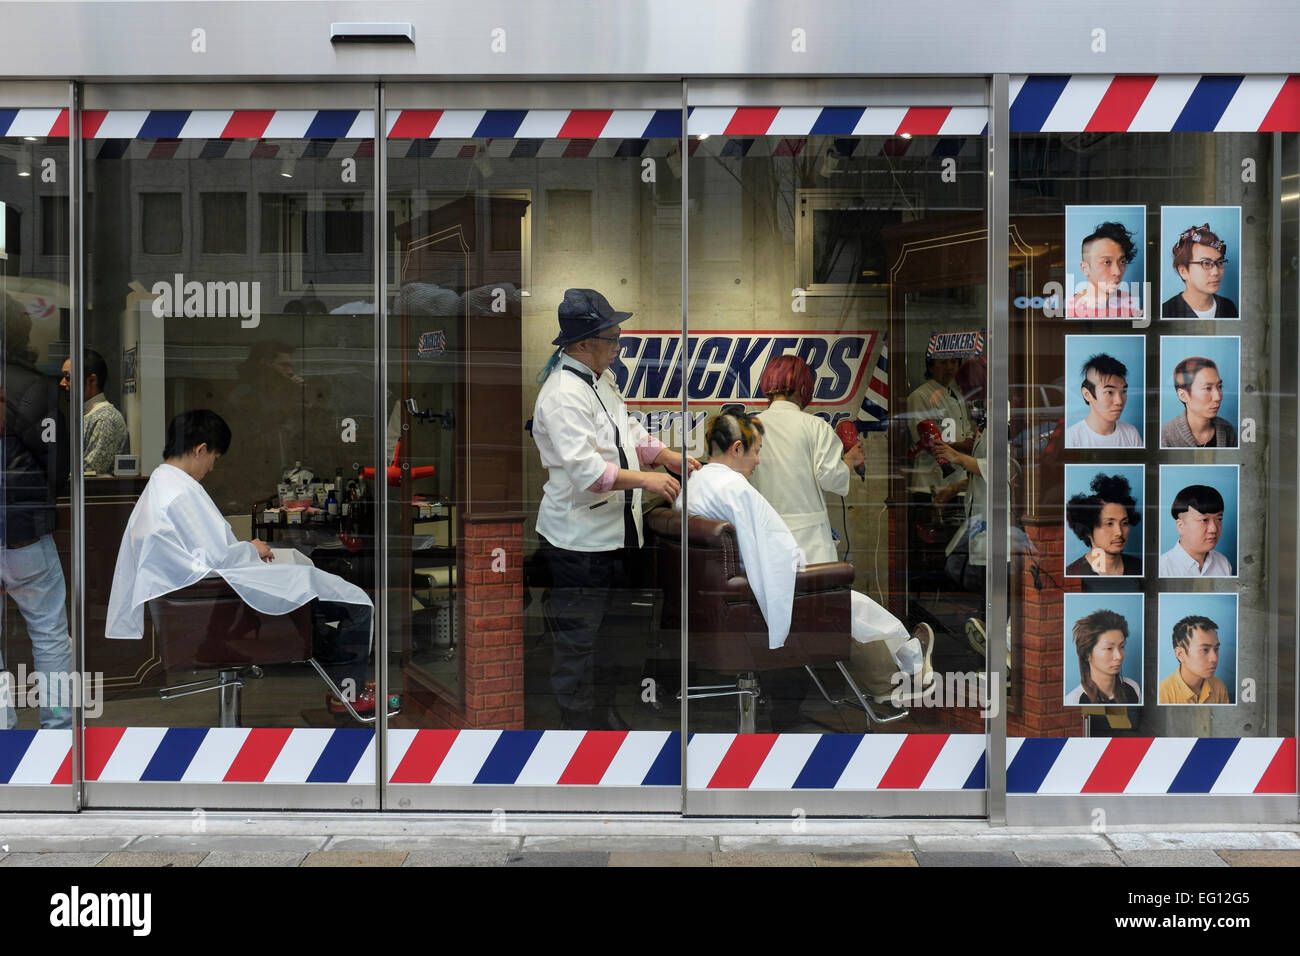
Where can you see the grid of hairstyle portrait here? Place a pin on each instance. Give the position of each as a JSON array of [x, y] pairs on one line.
[[1146, 519]]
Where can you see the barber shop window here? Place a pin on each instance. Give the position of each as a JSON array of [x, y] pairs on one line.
[[35, 543], [233, 380], [837, 293], [1153, 406], [523, 591]]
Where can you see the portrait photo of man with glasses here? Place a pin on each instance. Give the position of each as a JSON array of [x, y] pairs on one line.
[[1200, 258]]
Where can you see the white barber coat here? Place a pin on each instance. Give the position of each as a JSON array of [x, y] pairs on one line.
[[801, 458], [574, 433], [177, 536]]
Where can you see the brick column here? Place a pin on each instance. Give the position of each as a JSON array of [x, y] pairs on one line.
[[1036, 644], [491, 598], [1040, 664]]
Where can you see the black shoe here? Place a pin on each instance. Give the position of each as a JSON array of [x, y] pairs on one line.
[[608, 718], [575, 719]]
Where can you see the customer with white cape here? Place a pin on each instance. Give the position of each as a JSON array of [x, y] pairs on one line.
[[721, 490], [177, 536]]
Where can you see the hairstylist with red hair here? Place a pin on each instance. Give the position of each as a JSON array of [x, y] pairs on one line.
[[802, 458]]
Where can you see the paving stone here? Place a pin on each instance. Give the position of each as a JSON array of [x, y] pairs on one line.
[[1219, 840], [762, 859], [249, 858], [52, 859], [463, 856], [1013, 842], [1086, 858], [1260, 857], [810, 843], [64, 843], [150, 858], [640, 858], [434, 844], [618, 842], [865, 859], [300, 845], [559, 859], [1188, 858], [967, 858], [355, 858]]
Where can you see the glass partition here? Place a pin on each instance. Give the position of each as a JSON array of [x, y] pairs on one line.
[[838, 320], [228, 425], [528, 643], [1153, 383], [39, 683]]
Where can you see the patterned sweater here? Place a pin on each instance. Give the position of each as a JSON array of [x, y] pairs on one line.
[[105, 434]]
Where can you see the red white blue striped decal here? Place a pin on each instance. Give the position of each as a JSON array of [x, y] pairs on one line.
[[1157, 104], [1043, 765], [1039, 103]]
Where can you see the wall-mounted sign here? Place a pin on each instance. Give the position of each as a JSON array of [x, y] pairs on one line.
[[850, 371]]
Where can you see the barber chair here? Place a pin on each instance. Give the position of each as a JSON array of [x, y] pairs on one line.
[[726, 629], [207, 626]]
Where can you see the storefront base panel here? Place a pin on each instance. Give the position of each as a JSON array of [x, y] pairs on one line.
[[487, 797], [232, 796], [43, 799], [1099, 812], [849, 803]]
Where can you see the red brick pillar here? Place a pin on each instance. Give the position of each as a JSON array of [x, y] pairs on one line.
[[1039, 665], [491, 633]]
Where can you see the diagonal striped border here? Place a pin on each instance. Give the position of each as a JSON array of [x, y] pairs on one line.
[[1044, 765]]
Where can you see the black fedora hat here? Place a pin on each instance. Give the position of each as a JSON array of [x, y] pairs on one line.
[[584, 313]]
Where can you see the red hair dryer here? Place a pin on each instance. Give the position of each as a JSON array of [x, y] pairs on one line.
[[930, 437]]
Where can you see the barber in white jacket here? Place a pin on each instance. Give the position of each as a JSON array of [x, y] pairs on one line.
[[802, 458], [589, 521]]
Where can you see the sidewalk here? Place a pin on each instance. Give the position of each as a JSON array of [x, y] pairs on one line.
[[517, 839]]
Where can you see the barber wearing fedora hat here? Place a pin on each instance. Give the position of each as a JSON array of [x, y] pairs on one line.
[[589, 521]]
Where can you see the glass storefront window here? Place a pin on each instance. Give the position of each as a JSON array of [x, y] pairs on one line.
[[39, 684], [514, 603], [1153, 409], [230, 556], [838, 294], [541, 401]]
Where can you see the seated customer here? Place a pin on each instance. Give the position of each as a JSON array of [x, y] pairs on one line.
[[104, 434], [1103, 521], [177, 536], [768, 551]]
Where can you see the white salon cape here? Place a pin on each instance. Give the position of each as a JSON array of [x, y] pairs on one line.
[[802, 458], [770, 555], [177, 536]]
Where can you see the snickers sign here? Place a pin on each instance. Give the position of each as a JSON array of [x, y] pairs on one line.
[[725, 366], [958, 345]]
